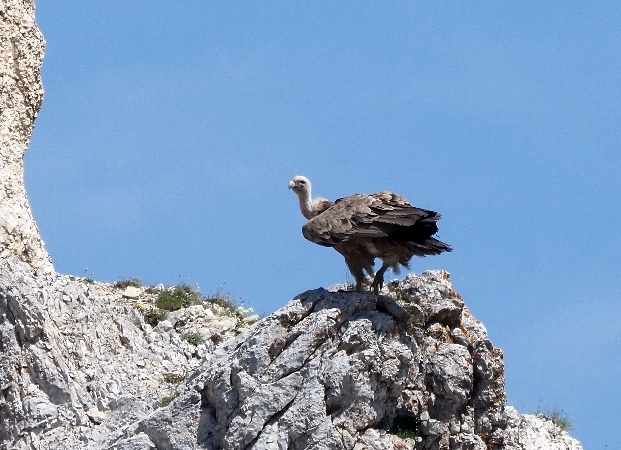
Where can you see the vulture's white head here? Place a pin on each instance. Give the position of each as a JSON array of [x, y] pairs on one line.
[[301, 186], [309, 207]]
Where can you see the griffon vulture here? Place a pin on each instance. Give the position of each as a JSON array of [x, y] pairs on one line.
[[364, 227]]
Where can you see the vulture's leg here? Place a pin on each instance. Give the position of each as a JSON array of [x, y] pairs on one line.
[[356, 270], [378, 281]]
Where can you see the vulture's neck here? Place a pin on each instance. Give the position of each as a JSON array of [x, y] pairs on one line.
[[306, 205]]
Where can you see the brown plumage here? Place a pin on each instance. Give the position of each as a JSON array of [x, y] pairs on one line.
[[364, 227]]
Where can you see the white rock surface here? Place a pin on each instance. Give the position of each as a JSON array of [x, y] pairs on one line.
[[132, 292], [82, 370], [21, 93], [531, 432], [77, 354], [338, 370]]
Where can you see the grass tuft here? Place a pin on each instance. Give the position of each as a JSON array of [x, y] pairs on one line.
[[224, 301], [557, 417], [350, 287], [227, 306], [167, 400]]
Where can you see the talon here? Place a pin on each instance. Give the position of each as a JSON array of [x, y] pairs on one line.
[[378, 281], [377, 284]]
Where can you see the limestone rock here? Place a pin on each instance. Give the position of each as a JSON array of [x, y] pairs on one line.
[[531, 432], [139, 442], [21, 93], [346, 370], [409, 369], [96, 416], [132, 292], [80, 365]]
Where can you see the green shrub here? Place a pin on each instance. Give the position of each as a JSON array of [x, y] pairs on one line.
[[122, 284], [153, 316], [181, 296], [193, 338]]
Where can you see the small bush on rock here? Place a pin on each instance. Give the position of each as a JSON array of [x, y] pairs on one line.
[[181, 296], [193, 338], [153, 316], [226, 305], [174, 378], [224, 301], [152, 290], [123, 284]]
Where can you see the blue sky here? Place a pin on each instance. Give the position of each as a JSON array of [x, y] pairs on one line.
[[169, 132]]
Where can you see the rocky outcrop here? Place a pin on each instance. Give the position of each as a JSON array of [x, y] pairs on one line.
[[528, 431], [409, 369], [21, 92], [79, 363]]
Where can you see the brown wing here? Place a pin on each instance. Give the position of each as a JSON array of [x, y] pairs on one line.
[[363, 216]]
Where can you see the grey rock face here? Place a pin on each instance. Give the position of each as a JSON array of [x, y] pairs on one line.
[[529, 431], [409, 369], [21, 92], [341, 370], [80, 365]]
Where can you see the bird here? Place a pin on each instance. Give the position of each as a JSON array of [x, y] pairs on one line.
[[363, 227], [309, 207]]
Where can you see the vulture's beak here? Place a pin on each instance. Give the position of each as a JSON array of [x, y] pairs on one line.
[[291, 184]]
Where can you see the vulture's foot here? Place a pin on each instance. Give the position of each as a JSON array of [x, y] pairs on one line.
[[378, 281]]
